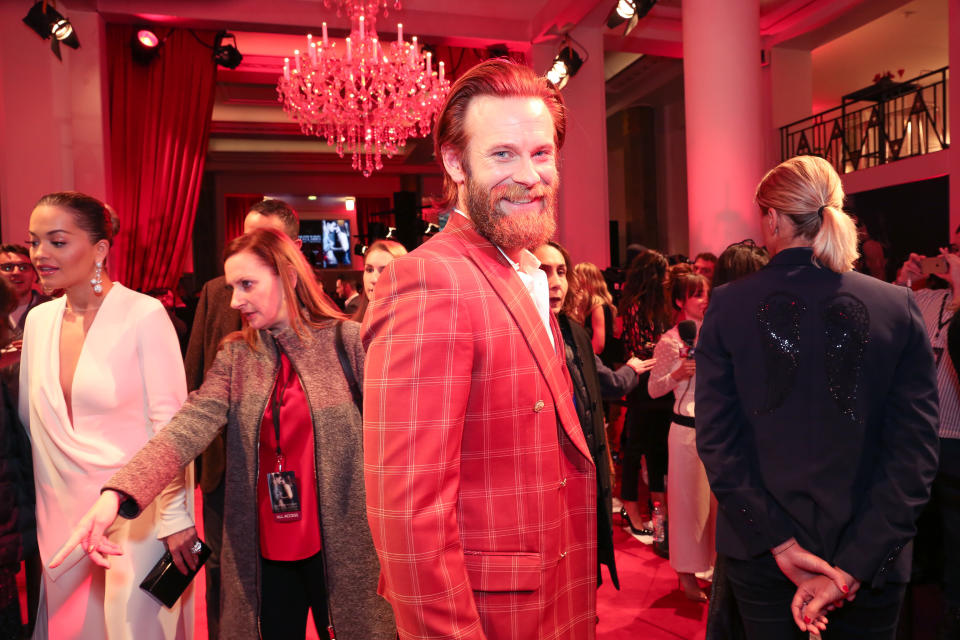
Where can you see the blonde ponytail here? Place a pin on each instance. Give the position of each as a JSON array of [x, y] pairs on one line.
[[807, 189], [835, 244]]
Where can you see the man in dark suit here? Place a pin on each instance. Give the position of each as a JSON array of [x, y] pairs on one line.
[[816, 409], [213, 321], [347, 291]]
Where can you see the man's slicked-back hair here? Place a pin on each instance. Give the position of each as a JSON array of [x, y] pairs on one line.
[[500, 78], [273, 207]]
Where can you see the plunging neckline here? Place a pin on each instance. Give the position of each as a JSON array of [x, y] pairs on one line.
[[58, 332]]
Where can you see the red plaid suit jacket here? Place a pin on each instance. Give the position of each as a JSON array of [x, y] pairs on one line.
[[480, 488]]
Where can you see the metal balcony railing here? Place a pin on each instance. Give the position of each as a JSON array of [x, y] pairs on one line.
[[882, 123]]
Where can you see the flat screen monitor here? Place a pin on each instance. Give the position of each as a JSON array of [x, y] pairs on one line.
[[326, 243]]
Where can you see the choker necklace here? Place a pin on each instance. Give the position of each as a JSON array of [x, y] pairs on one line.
[[79, 311]]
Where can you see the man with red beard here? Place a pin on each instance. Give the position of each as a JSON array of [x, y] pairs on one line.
[[480, 486]]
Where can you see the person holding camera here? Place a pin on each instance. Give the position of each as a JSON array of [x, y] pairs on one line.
[[938, 305]]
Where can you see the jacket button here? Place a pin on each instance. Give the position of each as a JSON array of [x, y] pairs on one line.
[[538, 407], [563, 554], [563, 482]]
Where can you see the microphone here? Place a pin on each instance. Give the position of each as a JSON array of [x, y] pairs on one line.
[[688, 333]]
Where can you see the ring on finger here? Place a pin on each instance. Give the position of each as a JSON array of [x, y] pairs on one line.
[[195, 549]]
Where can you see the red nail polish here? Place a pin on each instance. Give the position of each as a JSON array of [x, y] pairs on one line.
[[845, 588], [806, 619]]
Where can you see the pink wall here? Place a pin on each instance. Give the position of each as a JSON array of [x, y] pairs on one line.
[[53, 118], [584, 210]]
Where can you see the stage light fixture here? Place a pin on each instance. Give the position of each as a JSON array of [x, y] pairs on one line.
[[629, 12], [145, 45], [48, 23], [226, 55], [565, 65], [350, 204]]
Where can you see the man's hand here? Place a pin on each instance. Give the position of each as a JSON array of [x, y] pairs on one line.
[[911, 271], [89, 532], [799, 565], [953, 269]]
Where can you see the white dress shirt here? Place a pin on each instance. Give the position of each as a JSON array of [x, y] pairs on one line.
[[534, 280]]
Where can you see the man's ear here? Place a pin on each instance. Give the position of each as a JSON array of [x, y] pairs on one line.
[[453, 163]]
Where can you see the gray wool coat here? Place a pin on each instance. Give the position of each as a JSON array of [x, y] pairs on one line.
[[234, 396]]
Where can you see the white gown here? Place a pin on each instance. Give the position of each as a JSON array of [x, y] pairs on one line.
[[128, 383]]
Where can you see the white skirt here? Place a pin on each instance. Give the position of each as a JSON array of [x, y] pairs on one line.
[[691, 508]]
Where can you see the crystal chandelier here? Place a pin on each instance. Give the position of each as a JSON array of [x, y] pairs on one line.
[[363, 96]]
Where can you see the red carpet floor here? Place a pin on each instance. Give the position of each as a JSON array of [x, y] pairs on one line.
[[648, 605]]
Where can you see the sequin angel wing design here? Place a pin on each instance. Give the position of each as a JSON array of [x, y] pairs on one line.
[[846, 322], [779, 318]]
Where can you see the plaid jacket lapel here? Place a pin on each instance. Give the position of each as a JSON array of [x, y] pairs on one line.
[[505, 282]]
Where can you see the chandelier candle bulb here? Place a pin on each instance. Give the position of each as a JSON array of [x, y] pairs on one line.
[[429, 66], [313, 52], [349, 51], [324, 27], [373, 51], [361, 28], [296, 57], [440, 66], [286, 69], [399, 33]]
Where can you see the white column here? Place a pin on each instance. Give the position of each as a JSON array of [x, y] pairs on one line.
[[724, 131]]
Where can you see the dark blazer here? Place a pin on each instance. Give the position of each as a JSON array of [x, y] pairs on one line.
[[213, 321], [589, 388], [817, 415]]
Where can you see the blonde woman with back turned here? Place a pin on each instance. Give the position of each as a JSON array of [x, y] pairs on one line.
[[816, 416]]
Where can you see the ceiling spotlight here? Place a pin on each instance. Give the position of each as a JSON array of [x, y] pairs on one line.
[[350, 204], [226, 55], [565, 65], [145, 46], [48, 23], [629, 12], [311, 198]]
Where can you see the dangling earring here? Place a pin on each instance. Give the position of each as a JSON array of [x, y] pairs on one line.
[[97, 279]]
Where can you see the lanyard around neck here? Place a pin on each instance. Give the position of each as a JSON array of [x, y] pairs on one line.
[[279, 388]]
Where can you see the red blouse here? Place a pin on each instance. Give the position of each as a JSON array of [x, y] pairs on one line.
[[290, 539]]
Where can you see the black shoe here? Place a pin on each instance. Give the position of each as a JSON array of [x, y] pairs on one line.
[[633, 529]]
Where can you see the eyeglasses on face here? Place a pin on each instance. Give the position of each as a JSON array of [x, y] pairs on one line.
[[9, 267]]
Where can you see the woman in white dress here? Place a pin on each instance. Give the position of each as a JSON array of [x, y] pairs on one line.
[[101, 372], [691, 507]]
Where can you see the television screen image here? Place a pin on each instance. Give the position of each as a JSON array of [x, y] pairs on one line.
[[326, 243]]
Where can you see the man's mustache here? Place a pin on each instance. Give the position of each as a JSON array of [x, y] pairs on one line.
[[518, 192]]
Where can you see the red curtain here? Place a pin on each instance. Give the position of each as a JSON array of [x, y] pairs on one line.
[[160, 126], [236, 207]]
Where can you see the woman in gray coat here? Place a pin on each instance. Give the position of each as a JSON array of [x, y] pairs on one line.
[[295, 529]]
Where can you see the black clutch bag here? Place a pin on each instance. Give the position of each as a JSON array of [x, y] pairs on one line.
[[166, 583]]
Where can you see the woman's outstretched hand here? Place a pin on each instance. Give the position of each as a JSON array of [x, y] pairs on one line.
[[89, 532]]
